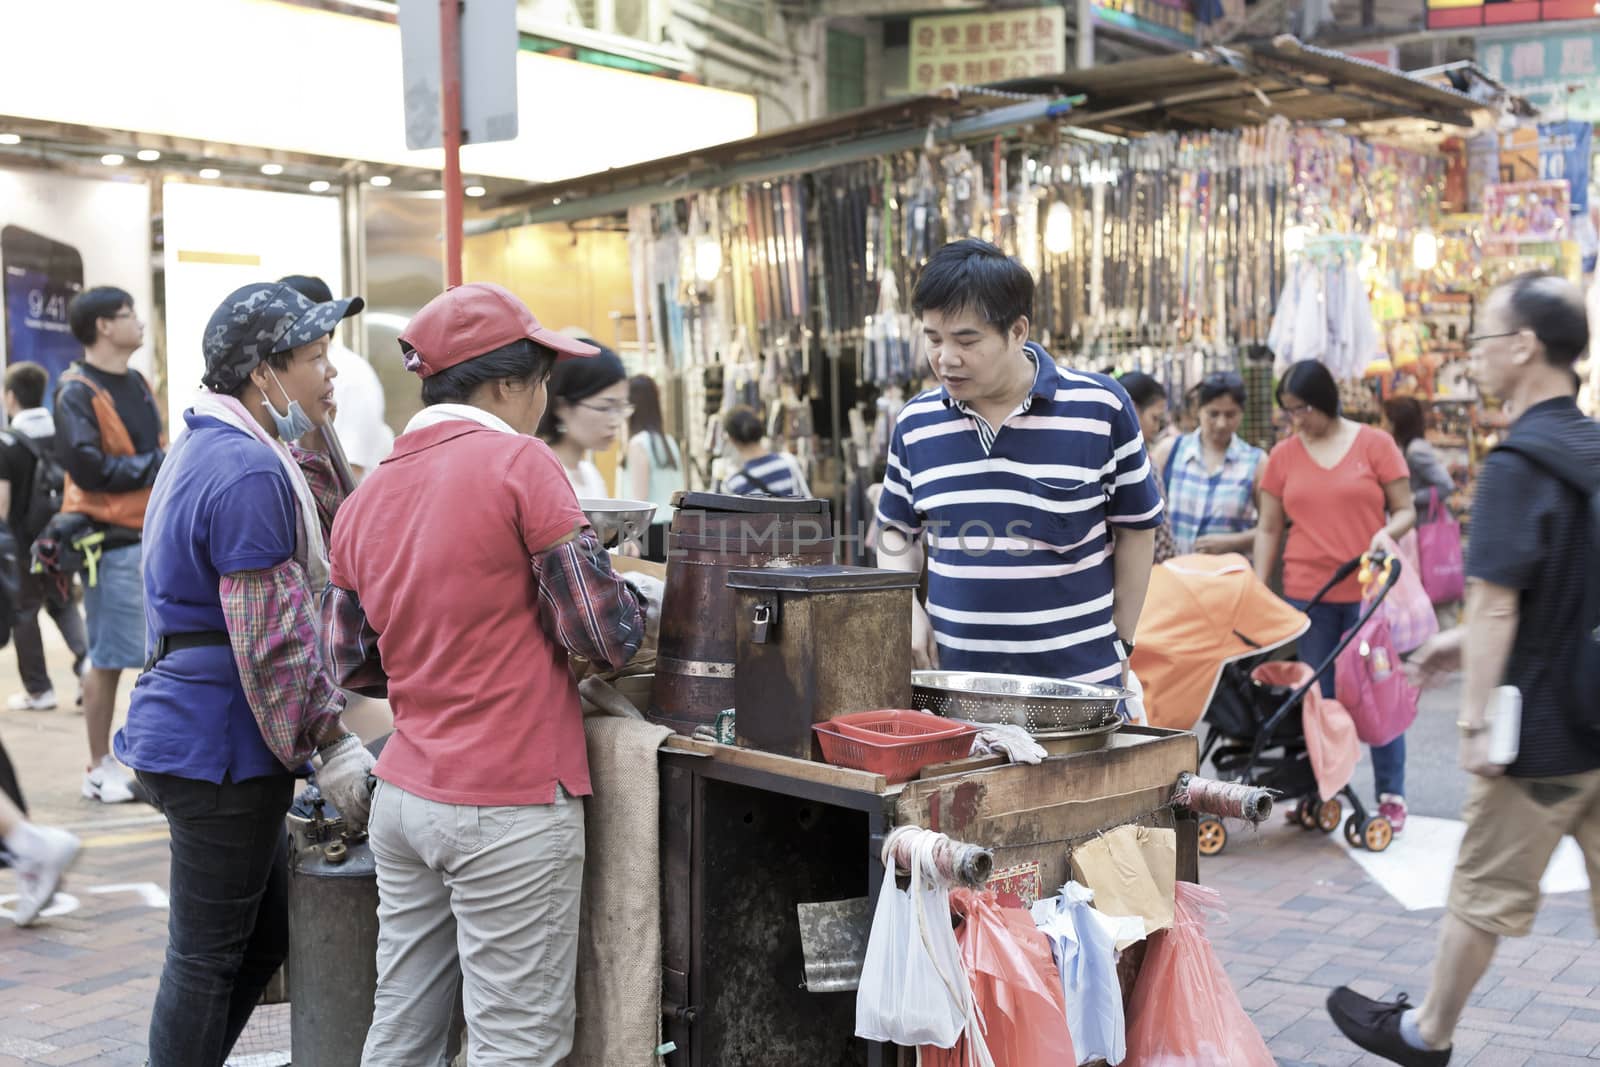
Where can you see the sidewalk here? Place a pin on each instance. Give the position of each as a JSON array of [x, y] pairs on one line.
[[1305, 917]]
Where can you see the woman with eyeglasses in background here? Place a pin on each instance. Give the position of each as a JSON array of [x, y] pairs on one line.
[[1213, 476], [587, 411], [1341, 485]]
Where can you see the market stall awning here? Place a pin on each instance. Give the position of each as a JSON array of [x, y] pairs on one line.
[[1210, 88], [1225, 88]]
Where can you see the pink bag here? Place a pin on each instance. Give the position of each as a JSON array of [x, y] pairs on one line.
[[1371, 684], [1439, 554], [1407, 607]]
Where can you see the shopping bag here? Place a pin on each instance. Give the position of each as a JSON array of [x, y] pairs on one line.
[[1184, 1012], [1083, 942], [1131, 871], [1439, 553], [1019, 1017], [1407, 607], [913, 990], [1371, 683]]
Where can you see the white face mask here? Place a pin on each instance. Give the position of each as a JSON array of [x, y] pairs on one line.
[[292, 424]]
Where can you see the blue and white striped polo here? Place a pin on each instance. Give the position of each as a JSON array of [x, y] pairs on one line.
[[770, 474], [1020, 578]]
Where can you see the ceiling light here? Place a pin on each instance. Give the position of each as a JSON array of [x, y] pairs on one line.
[[111, 159], [10, 138], [433, 194], [477, 190], [209, 173], [380, 181], [319, 186], [272, 170], [148, 155]]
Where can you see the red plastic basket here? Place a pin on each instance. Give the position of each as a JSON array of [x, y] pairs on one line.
[[897, 758], [875, 726]]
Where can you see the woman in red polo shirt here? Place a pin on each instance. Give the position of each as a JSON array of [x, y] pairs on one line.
[[1341, 485], [462, 575]]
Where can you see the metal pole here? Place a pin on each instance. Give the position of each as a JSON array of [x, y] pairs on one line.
[[1085, 34], [450, 104]]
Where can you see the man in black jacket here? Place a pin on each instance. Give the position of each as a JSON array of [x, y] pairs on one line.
[[110, 441], [30, 436]]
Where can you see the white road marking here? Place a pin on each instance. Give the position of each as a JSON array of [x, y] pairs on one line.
[[1415, 870]]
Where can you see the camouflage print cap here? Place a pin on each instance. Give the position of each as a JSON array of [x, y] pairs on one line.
[[261, 319]]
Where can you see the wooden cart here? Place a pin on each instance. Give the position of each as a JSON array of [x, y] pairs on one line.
[[747, 836]]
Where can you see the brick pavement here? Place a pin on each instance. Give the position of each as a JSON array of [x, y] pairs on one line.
[[1303, 918], [77, 989]]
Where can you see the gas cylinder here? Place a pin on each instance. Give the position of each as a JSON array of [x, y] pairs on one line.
[[333, 941]]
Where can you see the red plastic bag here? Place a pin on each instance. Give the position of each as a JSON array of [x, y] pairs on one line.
[[1016, 988], [1184, 1011]]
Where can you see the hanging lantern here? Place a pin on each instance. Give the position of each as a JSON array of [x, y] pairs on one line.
[[1058, 228], [1424, 250], [707, 258]]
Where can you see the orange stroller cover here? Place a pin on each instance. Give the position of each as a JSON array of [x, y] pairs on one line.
[[1330, 732], [1203, 612]]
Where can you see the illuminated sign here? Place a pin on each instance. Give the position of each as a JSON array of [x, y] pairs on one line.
[[1462, 14]]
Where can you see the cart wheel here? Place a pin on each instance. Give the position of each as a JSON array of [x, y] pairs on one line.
[[1352, 831], [1213, 835], [1308, 813], [1329, 814], [1377, 833]]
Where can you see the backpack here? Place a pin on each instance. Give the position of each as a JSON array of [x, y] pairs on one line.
[[49, 483], [1569, 468]]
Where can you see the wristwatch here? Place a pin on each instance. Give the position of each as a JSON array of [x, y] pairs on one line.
[[1124, 648]]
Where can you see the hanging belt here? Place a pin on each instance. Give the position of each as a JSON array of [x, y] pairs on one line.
[[169, 643]]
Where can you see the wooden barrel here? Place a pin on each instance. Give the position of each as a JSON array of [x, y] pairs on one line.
[[712, 534]]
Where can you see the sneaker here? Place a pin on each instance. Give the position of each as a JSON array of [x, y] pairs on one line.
[[107, 783], [45, 701], [49, 853], [1375, 1026], [1393, 808]]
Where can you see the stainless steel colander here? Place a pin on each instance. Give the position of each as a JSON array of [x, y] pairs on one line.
[[1041, 705]]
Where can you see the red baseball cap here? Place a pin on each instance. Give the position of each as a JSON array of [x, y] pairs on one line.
[[468, 320]]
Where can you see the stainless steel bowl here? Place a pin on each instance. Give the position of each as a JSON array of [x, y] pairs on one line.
[[618, 521], [1040, 705]]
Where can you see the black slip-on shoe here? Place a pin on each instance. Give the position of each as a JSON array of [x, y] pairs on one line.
[[1374, 1025]]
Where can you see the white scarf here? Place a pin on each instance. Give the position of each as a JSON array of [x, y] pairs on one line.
[[435, 414], [311, 552]]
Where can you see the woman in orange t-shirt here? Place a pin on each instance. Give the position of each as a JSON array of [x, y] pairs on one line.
[[1341, 485]]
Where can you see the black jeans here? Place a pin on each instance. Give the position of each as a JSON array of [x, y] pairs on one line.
[[228, 928], [35, 591]]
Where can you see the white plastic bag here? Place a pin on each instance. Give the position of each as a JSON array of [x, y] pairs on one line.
[[1085, 946], [913, 990]]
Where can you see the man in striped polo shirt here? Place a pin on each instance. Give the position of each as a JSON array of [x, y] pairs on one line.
[[1008, 478]]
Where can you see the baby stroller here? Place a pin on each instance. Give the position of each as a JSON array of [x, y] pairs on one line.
[[1257, 736]]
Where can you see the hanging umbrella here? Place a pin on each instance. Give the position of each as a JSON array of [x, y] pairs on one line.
[[1202, 613]]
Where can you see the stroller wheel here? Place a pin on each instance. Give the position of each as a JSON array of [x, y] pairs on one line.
[[1308, 810], [1212, 835], [1352, 831], [1377, 833], [1329, 814]]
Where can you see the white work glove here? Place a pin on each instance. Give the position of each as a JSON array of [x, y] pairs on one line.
[[1013, 742], [344, 778], [650, 590]]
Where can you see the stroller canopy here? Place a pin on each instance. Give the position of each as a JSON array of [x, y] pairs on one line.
[[1202, 613]]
